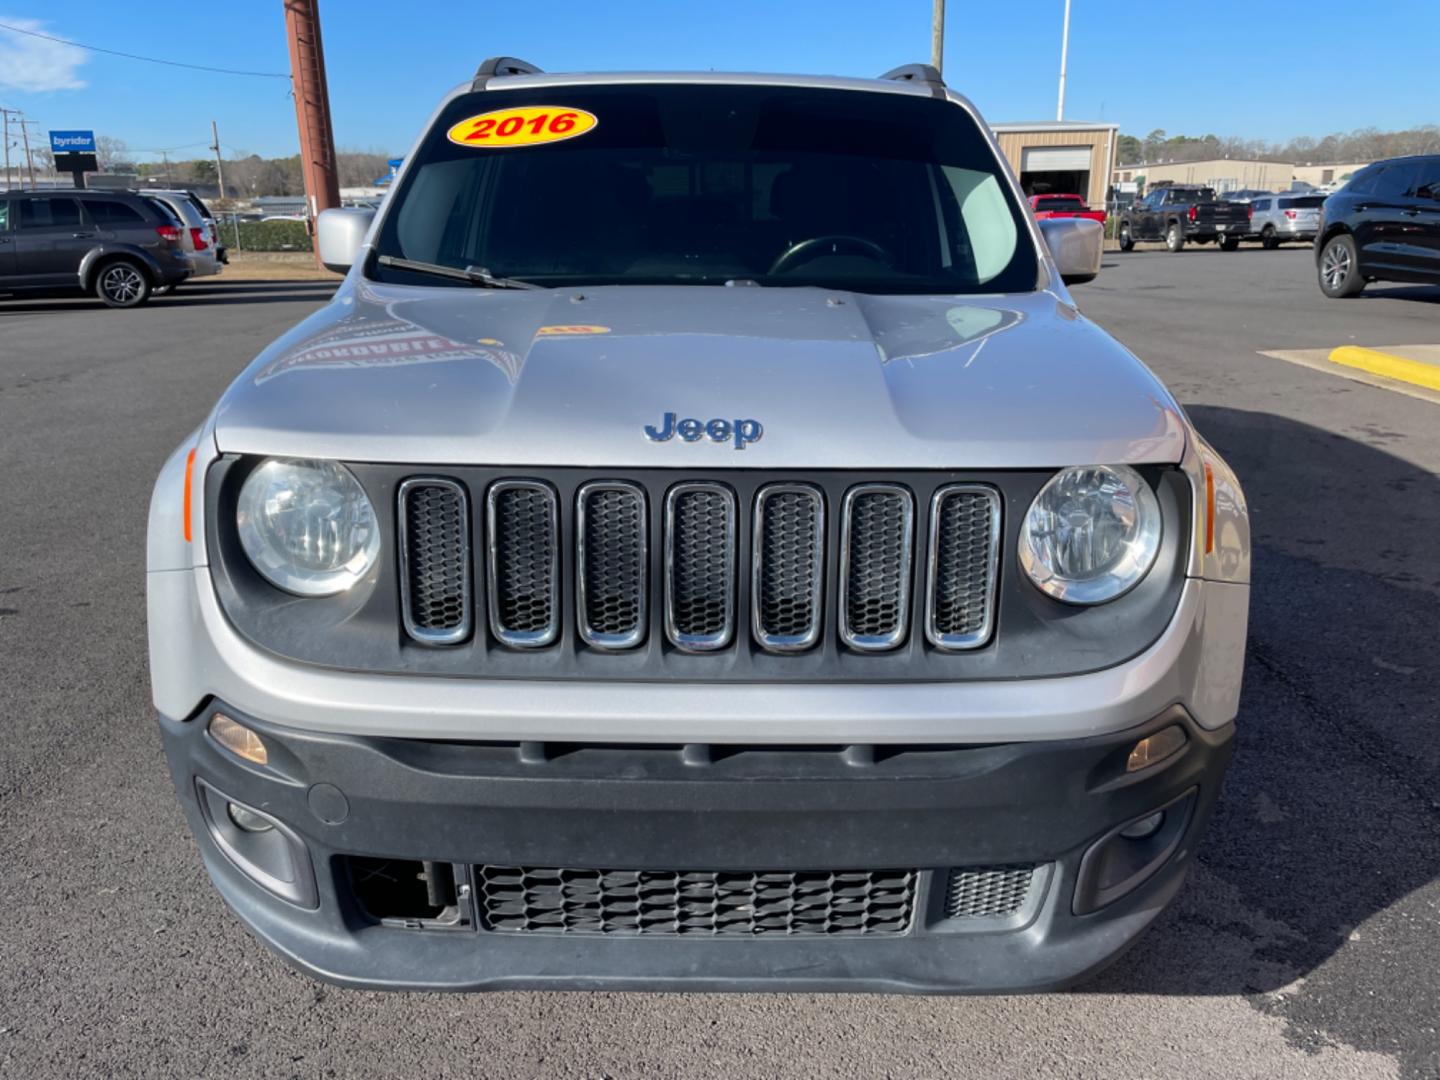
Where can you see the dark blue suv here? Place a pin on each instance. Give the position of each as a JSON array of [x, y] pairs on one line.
[[1384, 225]]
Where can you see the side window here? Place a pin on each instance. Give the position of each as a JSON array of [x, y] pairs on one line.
[[1262, 205], [1428, 186], [112, 212], [1396, 181], [54, 213], [1363, 183]]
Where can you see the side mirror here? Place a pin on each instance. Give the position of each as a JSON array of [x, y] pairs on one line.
[[340, 234], [1076, 245]]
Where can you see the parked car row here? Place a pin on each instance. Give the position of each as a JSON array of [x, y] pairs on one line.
[[122, 247]]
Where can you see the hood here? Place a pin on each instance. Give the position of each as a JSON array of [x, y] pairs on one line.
[[574, 377]]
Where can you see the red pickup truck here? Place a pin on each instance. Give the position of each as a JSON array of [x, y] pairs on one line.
[[1059, 206]]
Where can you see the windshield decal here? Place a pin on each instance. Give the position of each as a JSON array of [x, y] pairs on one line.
[[531, 125]]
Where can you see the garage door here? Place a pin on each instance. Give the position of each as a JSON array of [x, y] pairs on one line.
[[1054, 159]]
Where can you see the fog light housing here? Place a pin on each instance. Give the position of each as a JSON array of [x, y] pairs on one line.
[[1154, 749], [1139, 830], [238, 739], [248, 820]]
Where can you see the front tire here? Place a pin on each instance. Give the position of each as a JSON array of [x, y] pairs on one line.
[[122, 284], [1339, 268], [1174, 238], [1127, 242]]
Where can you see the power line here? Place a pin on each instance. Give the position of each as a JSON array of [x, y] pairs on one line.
[[147, 59]]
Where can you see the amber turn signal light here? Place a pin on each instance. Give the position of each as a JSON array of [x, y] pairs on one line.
[[1154, 749], [240, 740]]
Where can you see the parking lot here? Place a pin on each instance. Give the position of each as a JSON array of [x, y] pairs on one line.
[[1304, 944]]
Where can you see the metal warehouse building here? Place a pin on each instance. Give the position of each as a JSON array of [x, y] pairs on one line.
[[1061, 157]]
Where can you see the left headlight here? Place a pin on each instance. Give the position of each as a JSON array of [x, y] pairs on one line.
[[1091, 534], [307, 526]]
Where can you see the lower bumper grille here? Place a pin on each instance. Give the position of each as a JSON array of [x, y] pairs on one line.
[[715, 904], [987, 892]]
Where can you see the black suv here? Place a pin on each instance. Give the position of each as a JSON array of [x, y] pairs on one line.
[[116, 245], [1384, 225]]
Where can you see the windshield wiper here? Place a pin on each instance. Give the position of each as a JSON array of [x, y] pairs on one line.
[[476, 275]]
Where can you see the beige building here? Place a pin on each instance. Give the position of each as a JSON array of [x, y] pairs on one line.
[[1232, 174], [1060, 157], [1323, 175]]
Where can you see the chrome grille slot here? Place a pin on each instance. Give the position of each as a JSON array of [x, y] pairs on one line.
[[612, 559], [700, 525], [435, 587], [840, 903], [788, 566], [964, 563], [523, 530], [877, 536]]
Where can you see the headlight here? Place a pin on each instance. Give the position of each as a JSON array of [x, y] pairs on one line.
[[307, 526], [1091, 534]]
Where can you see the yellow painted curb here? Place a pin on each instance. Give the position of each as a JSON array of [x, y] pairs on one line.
[[1391, 367]]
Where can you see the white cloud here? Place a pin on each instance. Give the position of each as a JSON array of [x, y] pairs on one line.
[[34, 65]]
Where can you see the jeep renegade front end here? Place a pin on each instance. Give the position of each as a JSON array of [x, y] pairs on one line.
[[701, 545]]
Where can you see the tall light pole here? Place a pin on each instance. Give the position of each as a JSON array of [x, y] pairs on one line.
[[1064, 55], [937, 36]]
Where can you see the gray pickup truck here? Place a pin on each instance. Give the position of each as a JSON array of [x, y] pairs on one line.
[[701, 545], [1182, 214]]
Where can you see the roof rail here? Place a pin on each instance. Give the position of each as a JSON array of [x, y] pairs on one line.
[[922, 73], [502, 65]]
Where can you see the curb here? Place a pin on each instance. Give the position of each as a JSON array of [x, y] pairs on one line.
[[1415, 372]]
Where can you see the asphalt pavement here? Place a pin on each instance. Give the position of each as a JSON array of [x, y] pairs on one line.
[[1305, 944]]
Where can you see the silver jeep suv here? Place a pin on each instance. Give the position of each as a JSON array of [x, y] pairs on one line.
[[701, 545]]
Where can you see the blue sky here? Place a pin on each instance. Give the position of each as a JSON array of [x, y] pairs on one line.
[[390, 62]]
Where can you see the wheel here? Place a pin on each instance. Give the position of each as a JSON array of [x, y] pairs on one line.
[[1268, 238], [1127, 242], [1229, 243], [122, 284], [1174, 238], [1340, 268]]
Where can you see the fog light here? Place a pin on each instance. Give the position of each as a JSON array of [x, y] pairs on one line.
[[240, 740], [1155, 748], [1146, 826], [247, 819]]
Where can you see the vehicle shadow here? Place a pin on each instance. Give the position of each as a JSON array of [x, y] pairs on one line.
[[1329, 819], [240, 292], [1424, 294]]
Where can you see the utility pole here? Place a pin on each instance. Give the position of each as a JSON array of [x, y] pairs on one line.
[[937, 36], [1064, 55], [219, 165], [29, 162], [165, 157], [312, 110], [5, 116]]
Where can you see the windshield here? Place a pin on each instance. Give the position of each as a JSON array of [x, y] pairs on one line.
[[696, 185], [1058, 202]]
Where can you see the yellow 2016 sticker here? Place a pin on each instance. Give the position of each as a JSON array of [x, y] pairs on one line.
[[528, 126]]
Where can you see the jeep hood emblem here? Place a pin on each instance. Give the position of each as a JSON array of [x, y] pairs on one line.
[[741, 432]]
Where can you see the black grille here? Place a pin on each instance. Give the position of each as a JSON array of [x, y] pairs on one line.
[[708, 903], [435, 562], [964, 546], [613, 565], [875, 554], [987, 892], [524, 568], [789, 566], [700, 566]]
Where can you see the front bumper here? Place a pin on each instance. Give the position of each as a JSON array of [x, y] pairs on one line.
[[921, 808]]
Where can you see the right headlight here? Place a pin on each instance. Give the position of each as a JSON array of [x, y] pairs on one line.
[[307, 526], [1091, 534]]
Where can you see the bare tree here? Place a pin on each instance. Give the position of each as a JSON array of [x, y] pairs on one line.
[[110, 152]]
